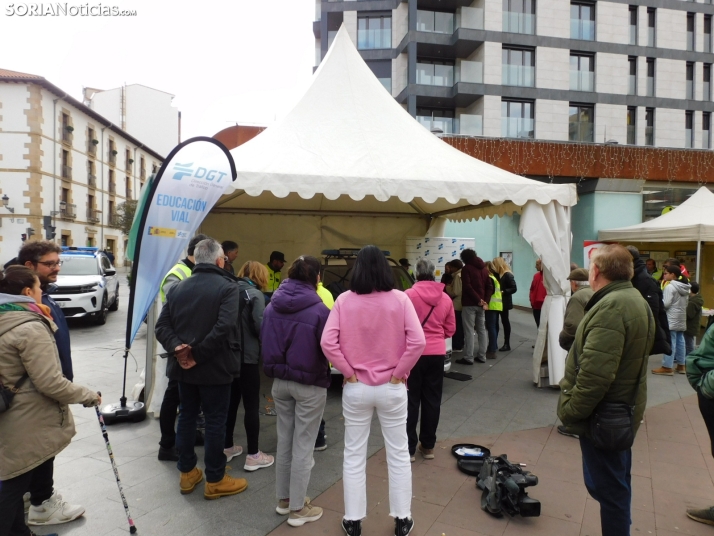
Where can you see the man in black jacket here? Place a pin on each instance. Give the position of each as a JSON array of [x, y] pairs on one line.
[[649, 288], [199, 323]]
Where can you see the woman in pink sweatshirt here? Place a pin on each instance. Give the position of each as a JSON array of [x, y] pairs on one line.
[[426, 381], [374, 337]]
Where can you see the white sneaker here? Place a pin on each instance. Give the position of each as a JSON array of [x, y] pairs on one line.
[[26, 501], [235, 450], [54, 511]]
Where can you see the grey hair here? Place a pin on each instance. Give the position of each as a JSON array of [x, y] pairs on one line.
[[207, 251], [582, 284], [424, 270]]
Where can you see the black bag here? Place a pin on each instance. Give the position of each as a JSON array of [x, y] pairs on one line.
[[611, 425], [8, 393]]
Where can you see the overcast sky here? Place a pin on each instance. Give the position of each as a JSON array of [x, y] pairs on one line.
[[244, 61]]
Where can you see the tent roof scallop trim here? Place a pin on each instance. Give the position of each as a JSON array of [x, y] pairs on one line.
[[348, 136]]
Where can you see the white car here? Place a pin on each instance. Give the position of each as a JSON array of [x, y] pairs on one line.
[[87, 284]]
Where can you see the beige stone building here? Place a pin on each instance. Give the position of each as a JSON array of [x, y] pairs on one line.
[[63, 166]]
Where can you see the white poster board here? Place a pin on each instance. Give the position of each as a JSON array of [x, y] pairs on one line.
[[438, 250]]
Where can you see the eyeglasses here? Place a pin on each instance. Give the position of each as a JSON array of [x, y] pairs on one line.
[[50, 264]]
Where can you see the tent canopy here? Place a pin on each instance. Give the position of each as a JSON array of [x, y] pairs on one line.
[[349, 148], [690, 221]]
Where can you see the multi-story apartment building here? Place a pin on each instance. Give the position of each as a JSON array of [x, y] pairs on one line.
[[64, 169], [634, 72]]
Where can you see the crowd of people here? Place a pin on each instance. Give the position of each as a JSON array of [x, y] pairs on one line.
[[217, 323]]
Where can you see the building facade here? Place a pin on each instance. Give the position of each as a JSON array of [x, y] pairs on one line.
[[64, 169], [143, 112], [564, 70]]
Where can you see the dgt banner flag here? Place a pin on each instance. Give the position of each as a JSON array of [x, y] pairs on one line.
[[190, 181]]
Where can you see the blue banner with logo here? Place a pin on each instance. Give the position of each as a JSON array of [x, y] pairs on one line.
[[190, 181]]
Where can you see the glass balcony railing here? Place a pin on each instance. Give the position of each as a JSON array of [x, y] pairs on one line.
[[368, 39], [447, 125], [435, 75], [387, 83], [518, 75], [649, 135], [436, 22], [517, 127], [633, 34], [522, 23], [650, 86], [582, 29], [690, 90], [690, 40], [631, 134], [688, 138], [650, 37], [470, 72], [581, 131], [330, 37], [632, 85], [706, 93], [582, 81], [469, 18], [705, 140], [470, 125]]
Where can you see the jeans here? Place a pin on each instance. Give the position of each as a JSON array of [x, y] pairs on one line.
[[425, 384], [471, 316], [12, 516], [167, 417], [536, 317], [359, 401], [246, 387], [706, 408], [688, 344], [299, 408], [492, 328], [506, 326], [457, 341], [213, 399], [608, 480], [678, 355]]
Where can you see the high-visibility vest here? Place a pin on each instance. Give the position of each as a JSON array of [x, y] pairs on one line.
[[181, 271], [496, 303], [273, 280]]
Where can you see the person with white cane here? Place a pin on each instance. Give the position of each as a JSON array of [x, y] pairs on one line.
[[35, 421]]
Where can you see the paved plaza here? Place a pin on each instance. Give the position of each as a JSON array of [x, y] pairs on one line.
[[672, 465]]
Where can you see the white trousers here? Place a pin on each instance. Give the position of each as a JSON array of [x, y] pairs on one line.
[[358, 404]]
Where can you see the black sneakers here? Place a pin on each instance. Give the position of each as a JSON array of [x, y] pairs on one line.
[[168, 455], [352, 528], [403, 526]]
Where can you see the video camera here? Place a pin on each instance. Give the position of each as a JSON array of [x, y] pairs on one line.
[[504, 488]]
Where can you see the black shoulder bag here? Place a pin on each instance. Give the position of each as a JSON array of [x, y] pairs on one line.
[[427, 316], [8, 393], [611, 425]]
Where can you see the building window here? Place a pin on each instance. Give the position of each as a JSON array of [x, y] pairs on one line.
[[112, 182], [650, 77], [707, 33], [517, 119], [651, 21], [582, 21], [633, 25], [632, 82], [435, 21], [707, 79], [518, 67], [649, 126], [437, 120], [382, 70], [66, 169], [374, 31], [519, 16], [690, 80], [690, 31], [582, 72], [582, 122], [689, 130], [434, 72], [706, 130], [631, 125]]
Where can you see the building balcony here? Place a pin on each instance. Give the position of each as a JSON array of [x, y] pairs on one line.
[[114, 219], [68, 211], [517, 75], [112, 159], [142, 174], [112, 188], [582, 81], [461, 43], [520, 23], [464, 125], [91, 180], [67, 136], [92, 215], [66, 172], [128, 193], [91, 148]]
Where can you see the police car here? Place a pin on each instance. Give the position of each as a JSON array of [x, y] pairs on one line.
[[87, 285]]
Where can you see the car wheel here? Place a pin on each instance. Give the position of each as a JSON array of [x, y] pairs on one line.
[[115, 303], [100, 317]]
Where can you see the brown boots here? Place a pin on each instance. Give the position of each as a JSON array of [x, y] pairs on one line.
[[213, 490]]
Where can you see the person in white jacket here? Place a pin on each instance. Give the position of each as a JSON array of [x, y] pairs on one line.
[[676, 296]]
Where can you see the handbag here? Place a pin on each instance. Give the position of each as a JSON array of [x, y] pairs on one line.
[[8, 393], [611, 425]]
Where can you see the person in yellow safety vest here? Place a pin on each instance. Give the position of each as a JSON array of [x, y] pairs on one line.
[[495, 306], [404, 263], [652, 269], [170, 404], [276, 263]]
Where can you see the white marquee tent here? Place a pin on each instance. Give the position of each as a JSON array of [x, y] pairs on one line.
[[349, 166], [690, 222]]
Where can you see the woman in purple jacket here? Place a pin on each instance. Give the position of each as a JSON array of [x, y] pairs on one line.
[[292, 327]]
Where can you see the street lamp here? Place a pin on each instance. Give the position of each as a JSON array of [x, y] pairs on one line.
[[5, 201]]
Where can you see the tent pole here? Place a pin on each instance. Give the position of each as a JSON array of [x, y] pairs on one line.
[[699, 260]]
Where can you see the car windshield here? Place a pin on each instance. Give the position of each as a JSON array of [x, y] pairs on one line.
[[76, 265]]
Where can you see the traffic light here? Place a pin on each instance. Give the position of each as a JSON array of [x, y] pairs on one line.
[[24, 237], [49, 228], [30, 232]]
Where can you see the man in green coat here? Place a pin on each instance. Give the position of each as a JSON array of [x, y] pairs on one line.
[[612, 345]]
